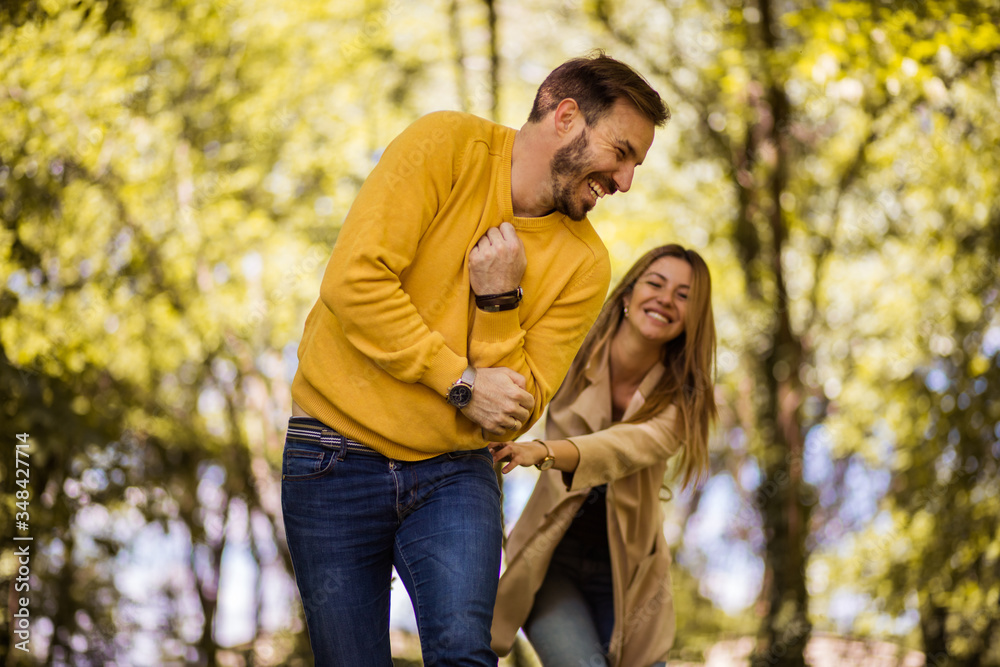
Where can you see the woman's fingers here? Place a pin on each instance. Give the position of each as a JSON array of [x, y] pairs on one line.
[[499, 451], [514, 453], [516, 459]]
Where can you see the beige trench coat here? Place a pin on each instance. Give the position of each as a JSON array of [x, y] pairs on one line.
[[631, 460]]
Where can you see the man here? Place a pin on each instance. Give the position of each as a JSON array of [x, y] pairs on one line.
[[462, 282]]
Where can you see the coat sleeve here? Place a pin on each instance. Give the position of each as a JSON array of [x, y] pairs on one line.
[[379, 238], [622, 449]]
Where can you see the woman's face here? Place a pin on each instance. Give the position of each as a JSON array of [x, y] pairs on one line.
[[658, 302]]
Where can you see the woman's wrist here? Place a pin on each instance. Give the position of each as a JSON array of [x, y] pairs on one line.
[[543, 454], [547, 460], [567, 456]]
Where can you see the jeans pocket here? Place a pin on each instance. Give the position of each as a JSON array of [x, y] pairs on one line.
[[303, 460], [471, 455]]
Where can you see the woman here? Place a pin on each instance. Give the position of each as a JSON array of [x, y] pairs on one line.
[[588, 568]]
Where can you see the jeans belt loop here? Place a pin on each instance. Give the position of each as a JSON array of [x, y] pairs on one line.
[[327, 439]]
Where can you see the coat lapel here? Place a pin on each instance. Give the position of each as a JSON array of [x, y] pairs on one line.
[[593, 405], [645, 389]]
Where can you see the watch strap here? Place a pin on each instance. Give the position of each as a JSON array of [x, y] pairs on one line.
[[493, 303], [468, 376], [549, 457]]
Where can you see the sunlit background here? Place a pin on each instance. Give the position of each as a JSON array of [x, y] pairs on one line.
[[173, 175]]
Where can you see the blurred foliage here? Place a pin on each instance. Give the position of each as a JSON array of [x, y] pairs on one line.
[[172, 176], [168, 196], [845, 155]]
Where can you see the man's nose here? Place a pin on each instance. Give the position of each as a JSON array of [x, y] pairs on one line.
[[623, 177]]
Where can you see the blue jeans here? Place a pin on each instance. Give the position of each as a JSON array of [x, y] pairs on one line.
[[571, 621], [351, 514], [573, 616]]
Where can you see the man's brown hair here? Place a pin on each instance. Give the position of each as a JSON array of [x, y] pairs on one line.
[[596, 82]]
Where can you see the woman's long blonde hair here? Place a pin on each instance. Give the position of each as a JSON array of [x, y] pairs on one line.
[[689, 380]]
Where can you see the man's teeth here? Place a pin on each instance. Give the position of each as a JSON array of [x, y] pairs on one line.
[[658, 317], [596, 188]]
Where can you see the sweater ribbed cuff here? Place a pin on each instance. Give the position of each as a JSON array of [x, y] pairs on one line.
[[496, 327], [442, 372]]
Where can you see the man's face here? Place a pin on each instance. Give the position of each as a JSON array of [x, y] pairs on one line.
[[600, 160]]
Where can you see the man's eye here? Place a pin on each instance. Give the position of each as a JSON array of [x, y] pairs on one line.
[[621, 153]]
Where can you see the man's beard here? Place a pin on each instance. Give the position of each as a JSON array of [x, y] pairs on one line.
[[568, 165]]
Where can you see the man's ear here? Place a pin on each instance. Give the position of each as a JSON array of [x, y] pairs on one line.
[[567, 117]]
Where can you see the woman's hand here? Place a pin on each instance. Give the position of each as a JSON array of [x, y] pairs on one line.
[[518, 453]]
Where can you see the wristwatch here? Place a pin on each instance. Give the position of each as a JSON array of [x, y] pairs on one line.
[[495, 303], [460, 393], [549, 460]]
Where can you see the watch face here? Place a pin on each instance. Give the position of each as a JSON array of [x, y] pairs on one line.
[[460, 395], [546, 463]]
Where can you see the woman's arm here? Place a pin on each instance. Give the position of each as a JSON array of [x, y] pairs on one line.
[[565, 453], [598, 458], [622, 449]]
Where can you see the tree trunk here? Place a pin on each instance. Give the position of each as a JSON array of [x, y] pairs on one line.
[[494, 61], [455, 29], [932, 629], [785, 628]]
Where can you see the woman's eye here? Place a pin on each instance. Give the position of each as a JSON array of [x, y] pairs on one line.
[[683, 296]]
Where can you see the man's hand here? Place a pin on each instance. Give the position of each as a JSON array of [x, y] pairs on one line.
[[497, 262], [499, 401]]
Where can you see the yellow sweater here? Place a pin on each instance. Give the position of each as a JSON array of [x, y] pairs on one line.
[[396, 322]]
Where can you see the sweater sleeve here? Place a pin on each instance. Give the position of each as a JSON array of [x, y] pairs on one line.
[[378, 240], [622, 449], [541, 353]]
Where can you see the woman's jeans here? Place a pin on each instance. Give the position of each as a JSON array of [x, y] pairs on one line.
[[571, 621], [351, 514], [573, 616]]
